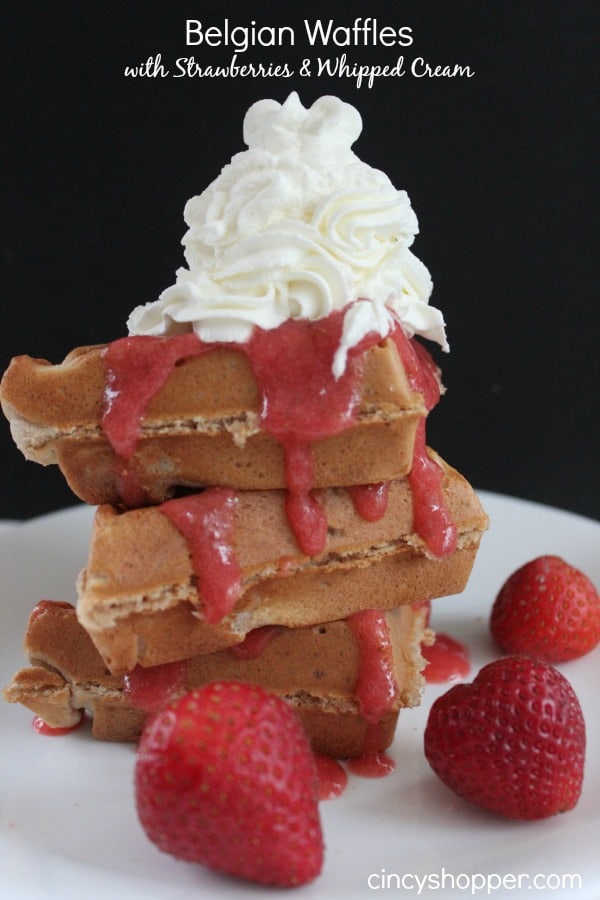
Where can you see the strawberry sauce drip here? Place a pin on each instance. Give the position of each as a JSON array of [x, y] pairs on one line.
[[41, 727], [255, 642], [447, 660], [373, 763], [303, 402], [136, 369], [332, 777], [303, 510], [376, 686], [206, 521], [375, 690], [44, 606], [432, 520], [150, 689], [370, 500]]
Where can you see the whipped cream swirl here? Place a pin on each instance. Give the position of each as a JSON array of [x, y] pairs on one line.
[[297, 226]]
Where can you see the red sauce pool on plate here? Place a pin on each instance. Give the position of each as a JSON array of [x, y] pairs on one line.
[[447, 660], [42, 727], [333, 778], [372, 763]]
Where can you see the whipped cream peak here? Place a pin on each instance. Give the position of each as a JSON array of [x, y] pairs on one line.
[[297, 226], [288, 128]]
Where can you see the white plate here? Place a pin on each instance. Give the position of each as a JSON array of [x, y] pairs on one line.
[[68, 825]]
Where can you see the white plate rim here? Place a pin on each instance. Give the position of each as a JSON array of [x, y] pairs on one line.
[[356, 826]]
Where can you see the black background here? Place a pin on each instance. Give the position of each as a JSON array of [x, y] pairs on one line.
[[500, 169]]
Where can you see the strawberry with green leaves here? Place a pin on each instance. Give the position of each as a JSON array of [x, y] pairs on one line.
[[548, 610], [225, 777], [512, 741]]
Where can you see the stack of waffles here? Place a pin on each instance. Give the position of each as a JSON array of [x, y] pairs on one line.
[[212, 557], [268, 509]]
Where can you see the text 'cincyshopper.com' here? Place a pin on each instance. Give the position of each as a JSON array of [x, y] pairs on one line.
[[474, 883]]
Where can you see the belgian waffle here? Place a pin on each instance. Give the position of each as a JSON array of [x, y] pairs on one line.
[[202, 427], [315, 669], [140, 600]]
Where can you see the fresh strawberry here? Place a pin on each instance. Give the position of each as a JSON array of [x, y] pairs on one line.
[[547, 609], [512, 741], [225, 777]]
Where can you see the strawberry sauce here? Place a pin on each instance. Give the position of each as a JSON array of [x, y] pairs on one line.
[[373, 763], [447, 660], [206, 521], [45, 606], [432, 521], [333, 778], [301, 402], [375, 689], [303, 510], [136, 369], [150, 689], [41, 727], [370, 500], [255, 642]]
